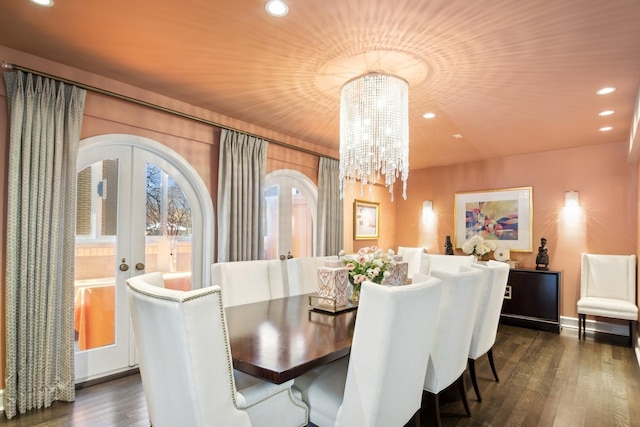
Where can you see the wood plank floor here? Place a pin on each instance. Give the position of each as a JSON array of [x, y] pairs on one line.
[[545, 380]]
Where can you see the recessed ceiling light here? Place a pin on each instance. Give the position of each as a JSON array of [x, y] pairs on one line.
[[457, 136], [429, 115], [276, 8], [606, 113], [46, 3], [605, 90], [605, 129]]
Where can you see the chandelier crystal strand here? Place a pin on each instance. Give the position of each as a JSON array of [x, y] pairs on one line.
[[374, 132]]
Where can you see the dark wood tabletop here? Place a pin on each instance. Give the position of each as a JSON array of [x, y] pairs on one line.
[[281, 339]]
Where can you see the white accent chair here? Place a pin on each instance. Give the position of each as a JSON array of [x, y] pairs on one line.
[[155, 279], [245, 282], [380, 383], [456, 318], [413, 257], [495, 277], [186, 366], [607, 289], [450, 263]]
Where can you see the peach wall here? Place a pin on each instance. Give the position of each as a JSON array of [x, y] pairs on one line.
[[606, 181], [387, 213]]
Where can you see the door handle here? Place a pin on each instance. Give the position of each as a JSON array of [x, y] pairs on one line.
[[139, 266], [123, 265]]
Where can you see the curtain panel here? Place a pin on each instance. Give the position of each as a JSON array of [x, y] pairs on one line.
[[241, 180], [45, 117], [330, 209]]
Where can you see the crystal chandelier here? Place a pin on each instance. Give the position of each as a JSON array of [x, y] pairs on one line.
[[374, 132]]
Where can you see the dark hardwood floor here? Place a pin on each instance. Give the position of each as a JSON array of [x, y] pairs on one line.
[[545, 380]]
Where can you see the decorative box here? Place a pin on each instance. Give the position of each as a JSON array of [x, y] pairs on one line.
[[332, 285], [398, 276]]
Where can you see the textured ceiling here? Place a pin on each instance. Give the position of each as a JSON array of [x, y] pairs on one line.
[[510, 76]]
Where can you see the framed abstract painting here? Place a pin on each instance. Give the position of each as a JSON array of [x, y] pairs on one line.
[[504, 216]]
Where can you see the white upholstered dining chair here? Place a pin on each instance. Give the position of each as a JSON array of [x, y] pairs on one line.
[[302, 274], [494, 284], [246, 282], [380, 383], [413, 257], [607, 289], [186, 367], [456, 319], [451, 263]]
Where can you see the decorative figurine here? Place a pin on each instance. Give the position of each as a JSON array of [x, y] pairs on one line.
[[542, 260], [448, 246]]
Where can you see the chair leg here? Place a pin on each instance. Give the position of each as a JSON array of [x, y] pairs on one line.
[[474, 380], [493, 366], [427, 399], [631, 333], [436, 404], [463, 395], [415, 420], [582, 326]]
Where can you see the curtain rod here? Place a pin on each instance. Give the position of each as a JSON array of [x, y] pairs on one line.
[[14, 67]]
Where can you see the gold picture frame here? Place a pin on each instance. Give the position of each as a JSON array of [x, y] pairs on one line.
[[366, 220], [505, 216]]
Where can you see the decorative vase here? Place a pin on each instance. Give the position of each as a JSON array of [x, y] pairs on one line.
[[355, 294]]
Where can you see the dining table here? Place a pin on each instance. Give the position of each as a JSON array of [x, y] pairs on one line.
[[280, 339]]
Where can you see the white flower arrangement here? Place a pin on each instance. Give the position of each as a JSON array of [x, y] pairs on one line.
[[478, 246]]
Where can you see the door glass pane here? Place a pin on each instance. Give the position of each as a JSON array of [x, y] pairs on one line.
[[301, 226], [96, 224], [271, 222], [168, 229]]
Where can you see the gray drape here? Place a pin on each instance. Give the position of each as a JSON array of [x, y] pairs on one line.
[[330, 209], [45, 120], [241, 177]]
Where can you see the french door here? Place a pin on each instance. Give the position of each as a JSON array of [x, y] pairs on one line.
[[290, 215], [137, 213]]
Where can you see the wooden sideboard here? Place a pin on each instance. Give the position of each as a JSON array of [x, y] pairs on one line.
[[532, 299]]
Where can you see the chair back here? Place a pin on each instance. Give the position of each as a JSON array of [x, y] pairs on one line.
[[156, 278], [393, 337], [413, 257], [608, 276], [245, 282], [456, 318], [184, 355], [493, 284], [451, 263], [302, 274]]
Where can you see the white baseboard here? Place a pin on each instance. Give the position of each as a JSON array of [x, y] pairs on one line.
[[595, 326], [2, 400], [638, 350]]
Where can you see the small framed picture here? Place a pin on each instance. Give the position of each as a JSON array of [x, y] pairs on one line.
[[366, 220]]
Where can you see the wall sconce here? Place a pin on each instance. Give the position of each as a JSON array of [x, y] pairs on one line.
[[427, 207], [571, 199]]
